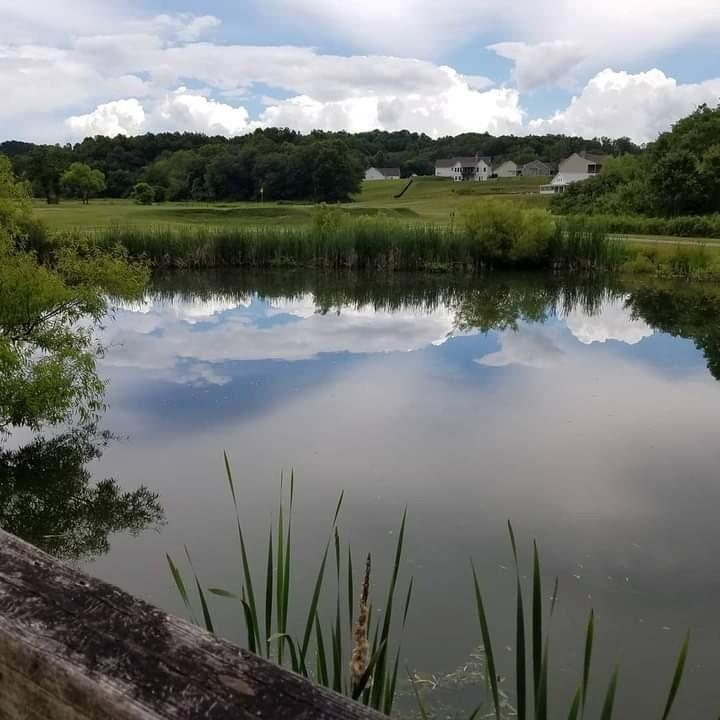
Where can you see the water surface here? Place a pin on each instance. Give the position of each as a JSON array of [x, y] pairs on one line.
[[588, 415]]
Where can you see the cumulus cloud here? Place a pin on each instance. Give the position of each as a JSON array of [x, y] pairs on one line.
[[120, 117], [184, 110], [542, 64], [134, 78], [620, 104], [612, 322]]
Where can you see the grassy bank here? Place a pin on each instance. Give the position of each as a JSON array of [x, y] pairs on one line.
[[428, 199], [492, 234]]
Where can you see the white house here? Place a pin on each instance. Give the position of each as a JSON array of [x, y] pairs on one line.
[[475, 169], [375, 173], [506, 170], [578, 167], [536, 168]]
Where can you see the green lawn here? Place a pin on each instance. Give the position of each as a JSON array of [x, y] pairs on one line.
[[428, 199]]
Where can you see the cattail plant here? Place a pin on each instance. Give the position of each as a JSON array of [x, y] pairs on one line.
[[359, 663]]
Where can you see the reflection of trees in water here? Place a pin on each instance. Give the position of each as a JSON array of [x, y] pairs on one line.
[[687, 311], [47, 497], [495, 301]]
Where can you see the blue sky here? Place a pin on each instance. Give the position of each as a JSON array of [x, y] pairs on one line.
[[86, 67]]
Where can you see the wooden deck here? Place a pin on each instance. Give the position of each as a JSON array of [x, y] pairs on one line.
[[73, 647]]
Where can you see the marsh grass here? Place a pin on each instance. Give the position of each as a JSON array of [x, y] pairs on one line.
[[319, 648], [355, 650], [491, 234]]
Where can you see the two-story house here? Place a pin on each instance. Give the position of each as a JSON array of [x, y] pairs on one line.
[[578, 167], [460, 169]]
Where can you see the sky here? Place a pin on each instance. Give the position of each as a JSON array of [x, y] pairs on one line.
[[618, 68]]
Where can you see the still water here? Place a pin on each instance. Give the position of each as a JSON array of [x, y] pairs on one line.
[[588, 415]]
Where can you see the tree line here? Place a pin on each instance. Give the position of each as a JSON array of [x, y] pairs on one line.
[[275, 164], [677, 174]]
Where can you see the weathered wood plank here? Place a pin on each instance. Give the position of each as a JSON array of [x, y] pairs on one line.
[[75, 648]]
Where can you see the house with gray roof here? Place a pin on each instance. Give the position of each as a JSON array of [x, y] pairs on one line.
[[375, 173], [468, 169]]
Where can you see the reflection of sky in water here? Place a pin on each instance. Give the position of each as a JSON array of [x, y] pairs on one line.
[[594, 433]]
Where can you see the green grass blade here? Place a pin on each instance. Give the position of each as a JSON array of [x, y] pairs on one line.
[[408, 598], [336, 660], [351, 591], [589, 636], [207, 617], [677, 676], [422, 707], [177, 577], [223, 593], [487, 644], [379, 679], [247, 575], [288, 545], [280, 582], [249, 625], [537, 622], [391, 685], [297, 665], [575, 707], [520, 659], [269, 594], [608, 705], [318, 585], [322, 678], [553, 600], [541, 711]]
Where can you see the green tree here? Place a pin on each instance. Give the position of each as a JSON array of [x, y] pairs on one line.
[[52, 295], [80, 180], [143, 194]]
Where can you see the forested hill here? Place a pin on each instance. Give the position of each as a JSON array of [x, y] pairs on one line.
[[282, 163]]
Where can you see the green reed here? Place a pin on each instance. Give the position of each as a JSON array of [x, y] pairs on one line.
[[492, 234], [532, 648], [318, 648]]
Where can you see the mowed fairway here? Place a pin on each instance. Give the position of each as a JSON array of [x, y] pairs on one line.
[[428, 199]]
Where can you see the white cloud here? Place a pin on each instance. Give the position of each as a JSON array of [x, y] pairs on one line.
[[531, 347], [542, 64], [620, 104], [615, 30], [120, 117], [185, 26], [611, 322], [184, 110]]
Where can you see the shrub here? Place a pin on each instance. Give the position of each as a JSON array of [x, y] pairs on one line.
[[143, 194]]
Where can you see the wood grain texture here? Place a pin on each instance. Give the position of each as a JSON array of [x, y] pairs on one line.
[[75, 648]]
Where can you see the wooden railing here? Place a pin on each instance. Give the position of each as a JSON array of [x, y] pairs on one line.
[[73, 647]]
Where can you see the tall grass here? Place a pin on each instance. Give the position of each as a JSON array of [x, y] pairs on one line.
[[352, 651], [493, 234], [532, 659], [319, 648]]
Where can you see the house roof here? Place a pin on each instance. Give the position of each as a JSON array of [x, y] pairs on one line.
[[465, 161], [593, 157], [386, 171], [505, 162], [536, 163]]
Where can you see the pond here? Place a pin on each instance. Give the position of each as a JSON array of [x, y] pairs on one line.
[[586, 414]]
